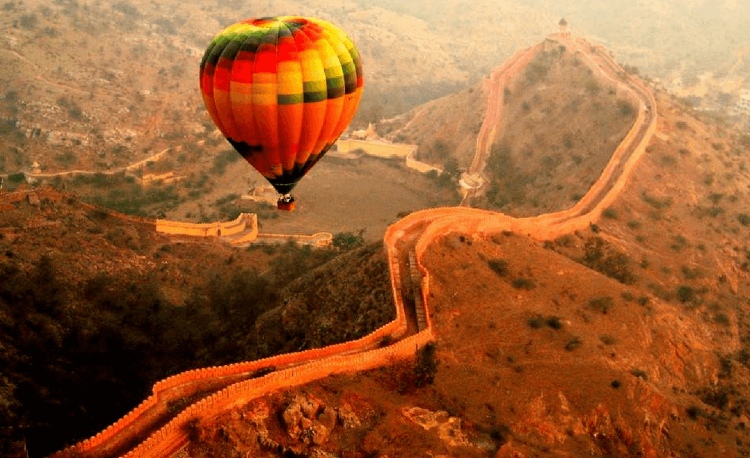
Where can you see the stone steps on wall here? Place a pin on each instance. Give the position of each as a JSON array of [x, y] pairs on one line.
[[416, 282]]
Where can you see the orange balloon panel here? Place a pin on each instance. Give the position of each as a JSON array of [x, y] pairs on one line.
[[281, 90]]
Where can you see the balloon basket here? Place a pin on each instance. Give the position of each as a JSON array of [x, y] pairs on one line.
[[286, 203]]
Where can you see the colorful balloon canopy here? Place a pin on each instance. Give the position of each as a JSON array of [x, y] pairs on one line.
[[281, 90]]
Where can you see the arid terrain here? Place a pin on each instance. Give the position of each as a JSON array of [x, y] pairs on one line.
[[629, 338], [602, 313]]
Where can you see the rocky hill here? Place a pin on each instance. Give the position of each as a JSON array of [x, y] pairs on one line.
[[627, 338]]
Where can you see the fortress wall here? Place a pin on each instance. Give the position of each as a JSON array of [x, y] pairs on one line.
[[319, 239], [234, 227], [420, 167], [387, 150], [249, 235], [191, 382], [174, 435], [115, 214], [375, 148], [167, 177], [14, 197], [499, 81]]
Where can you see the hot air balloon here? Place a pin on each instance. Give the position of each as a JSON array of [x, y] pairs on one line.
[[281, 90]]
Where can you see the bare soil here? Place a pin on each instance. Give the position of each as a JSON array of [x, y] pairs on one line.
[[337, 195]]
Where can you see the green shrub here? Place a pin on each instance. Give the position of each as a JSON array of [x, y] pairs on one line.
[[536, 321], [345, 241], [639, 374], [554, 322], [602, 304], [722, 319], [499, 266], [691, 274], [633, 224], [573, 343], [600, 256], [523, 283], [609, 213], [625, 108], [539, 321], [608, 339], [686, 294], [16, 178], [426, 367], [29, 21], [656, 202], [718, 398]]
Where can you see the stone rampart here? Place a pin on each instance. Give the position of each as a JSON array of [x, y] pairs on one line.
[[319, 239], [216, 229], [419, 166], [174, 435], [375, 148], [498, 82], [388, 151]]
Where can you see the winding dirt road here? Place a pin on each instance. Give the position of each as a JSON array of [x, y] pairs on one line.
[[159, 426]]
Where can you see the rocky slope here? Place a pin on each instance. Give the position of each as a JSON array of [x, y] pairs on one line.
[[630, 338]]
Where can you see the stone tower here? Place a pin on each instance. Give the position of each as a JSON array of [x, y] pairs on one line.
[[564, 27]]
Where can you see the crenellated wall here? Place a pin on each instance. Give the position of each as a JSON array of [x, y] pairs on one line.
[[387, 150], [173, 436], [319, 239], [217, 229], [375, 148]]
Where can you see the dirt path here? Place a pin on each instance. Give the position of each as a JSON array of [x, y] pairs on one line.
[[492, 125], [127, 168], [411, 235]]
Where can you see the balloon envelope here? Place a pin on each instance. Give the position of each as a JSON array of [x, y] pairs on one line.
[[281, 90]]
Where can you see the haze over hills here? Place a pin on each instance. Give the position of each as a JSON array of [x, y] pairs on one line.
[[96, 85]]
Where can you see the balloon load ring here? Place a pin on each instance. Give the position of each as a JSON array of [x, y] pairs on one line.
[[282, 90]]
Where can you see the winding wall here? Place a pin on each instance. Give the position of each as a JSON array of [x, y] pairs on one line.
[[419, 229]]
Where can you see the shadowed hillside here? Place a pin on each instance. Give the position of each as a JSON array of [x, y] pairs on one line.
[[95, 309]]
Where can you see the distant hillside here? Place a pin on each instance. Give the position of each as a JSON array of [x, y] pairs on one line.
[[98, 84], [445, 129], [561, 119]]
